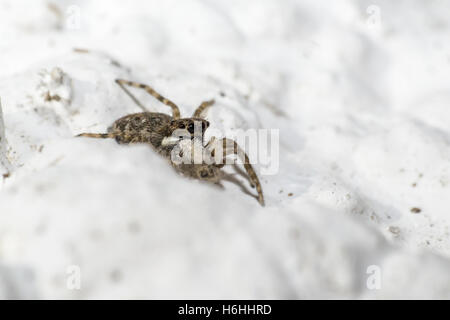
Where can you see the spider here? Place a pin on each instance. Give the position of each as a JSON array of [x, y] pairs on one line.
[[162, 132]]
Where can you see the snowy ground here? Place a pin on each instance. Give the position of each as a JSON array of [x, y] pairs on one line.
[[358, 89]]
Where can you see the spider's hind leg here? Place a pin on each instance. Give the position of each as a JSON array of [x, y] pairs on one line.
[[135, 100], [96, 135], [152, 92]]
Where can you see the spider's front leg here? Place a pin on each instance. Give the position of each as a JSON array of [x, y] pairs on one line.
[[231, 147], [202, 107]]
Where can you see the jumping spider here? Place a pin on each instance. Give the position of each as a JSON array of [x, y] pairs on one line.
[[161, 131]]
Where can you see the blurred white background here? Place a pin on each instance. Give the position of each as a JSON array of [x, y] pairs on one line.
[[358, 89]]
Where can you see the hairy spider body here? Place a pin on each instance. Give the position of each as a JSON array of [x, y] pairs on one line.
[[144, 127], [164, 133]]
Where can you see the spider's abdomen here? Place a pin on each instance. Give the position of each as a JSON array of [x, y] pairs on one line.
[[144, 127]]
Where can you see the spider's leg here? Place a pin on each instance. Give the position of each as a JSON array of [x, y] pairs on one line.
[[175, 110], [230, 147], [96, 135], [135, 100], [205, 104]]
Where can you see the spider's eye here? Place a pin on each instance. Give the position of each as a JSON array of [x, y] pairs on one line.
[[181, 126], [191, 128], [204, 173]]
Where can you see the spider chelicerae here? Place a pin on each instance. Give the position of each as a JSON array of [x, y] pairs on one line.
[[166, 133]]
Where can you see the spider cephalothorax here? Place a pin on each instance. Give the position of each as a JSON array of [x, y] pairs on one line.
[[164, 133], [188, 127]]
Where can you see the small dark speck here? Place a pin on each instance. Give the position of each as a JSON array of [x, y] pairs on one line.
[[6, 175], [394, 230], [115, 63], [222, 94], [80, 50], [416, 210], [414, 185], [290, 194]]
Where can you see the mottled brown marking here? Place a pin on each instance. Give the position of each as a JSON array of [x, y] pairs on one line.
[[416, 210]]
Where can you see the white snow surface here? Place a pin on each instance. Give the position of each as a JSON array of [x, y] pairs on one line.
[[358, 89]]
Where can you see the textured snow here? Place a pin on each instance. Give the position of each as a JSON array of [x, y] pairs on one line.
[[358, 90]]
